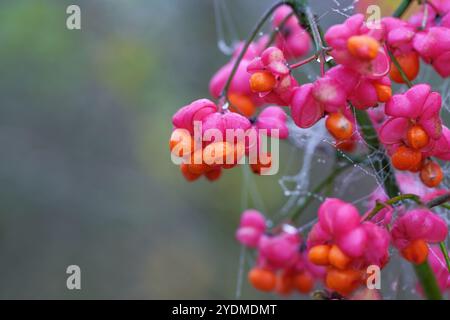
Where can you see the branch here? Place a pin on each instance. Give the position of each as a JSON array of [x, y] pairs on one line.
[[445, 252], [314, 29], [438, 201], [252, 36], [303, 62], [441, 201], [402, 8], [428, 281], [408, 196], [400, 198]]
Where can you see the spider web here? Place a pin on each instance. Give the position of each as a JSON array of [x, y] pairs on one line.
[[318, 149]]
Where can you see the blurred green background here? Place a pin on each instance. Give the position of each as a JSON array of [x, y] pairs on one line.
[[85, 173]]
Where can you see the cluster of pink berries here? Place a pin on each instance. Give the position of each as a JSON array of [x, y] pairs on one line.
[[237, 109], [209, 156], [281, 264], [425, 35], [343, 244], [412, 131], [251, 91]]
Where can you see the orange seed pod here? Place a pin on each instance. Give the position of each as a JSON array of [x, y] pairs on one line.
[[363, 47], [431, 174], [416, 252], [417, 137], [181, 143], [410, 64], [339, 126], [406, 158], [343, 281], [337, 258], [262, 279], [319, 254], [262, 81]]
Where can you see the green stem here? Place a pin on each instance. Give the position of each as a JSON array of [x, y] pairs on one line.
[[252, 36], [314, 30], [402, 8], [428, 281], [399, 68], [402, 197], [330, 64], [445, 252], [297, 7], [439, 201], [317, 38], [381, 205], [423, 272], [425, 15]]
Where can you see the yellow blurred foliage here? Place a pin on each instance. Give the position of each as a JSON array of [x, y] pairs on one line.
[[387, 6]]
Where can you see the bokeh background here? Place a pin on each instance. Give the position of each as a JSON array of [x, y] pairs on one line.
[[85, 171]]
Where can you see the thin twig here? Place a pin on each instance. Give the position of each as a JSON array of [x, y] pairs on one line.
[[252, 36], [279, 28], [438, 201], [425, 15], [303, 62], [402, 8], [445, 253], [400, 198]]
